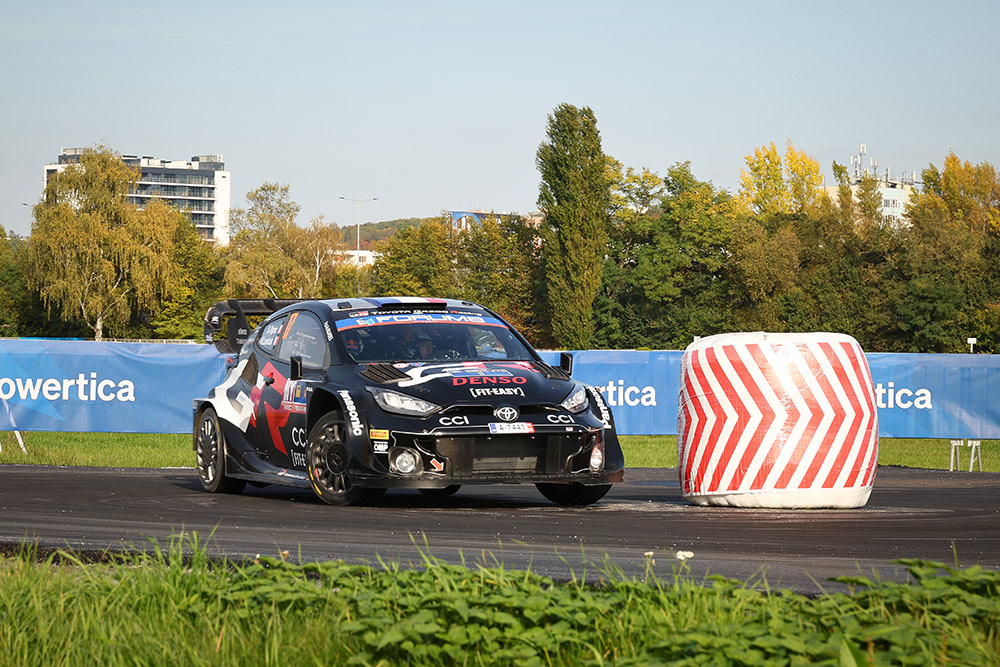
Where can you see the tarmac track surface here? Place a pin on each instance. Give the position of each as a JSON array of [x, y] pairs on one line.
[[912, 513]]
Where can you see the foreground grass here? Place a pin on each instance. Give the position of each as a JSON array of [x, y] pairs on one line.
[[144, 450], [165, 609]]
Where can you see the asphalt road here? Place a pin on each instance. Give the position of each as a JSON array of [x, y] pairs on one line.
[[912, 513]]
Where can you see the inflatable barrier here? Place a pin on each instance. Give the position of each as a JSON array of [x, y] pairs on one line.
[[777, 420]]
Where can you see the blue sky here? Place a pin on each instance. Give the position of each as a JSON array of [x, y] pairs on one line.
[[434, 105]]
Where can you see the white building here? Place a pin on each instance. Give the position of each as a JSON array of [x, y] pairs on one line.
[[358, 257], [895, 191], [200, 187]]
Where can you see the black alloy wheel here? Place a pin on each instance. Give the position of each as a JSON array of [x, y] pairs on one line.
[[327, 462], [210, 450]]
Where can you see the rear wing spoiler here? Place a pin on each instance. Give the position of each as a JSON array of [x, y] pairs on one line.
[[236, 310]]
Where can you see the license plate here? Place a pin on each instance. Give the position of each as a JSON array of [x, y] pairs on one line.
[[512, 427]]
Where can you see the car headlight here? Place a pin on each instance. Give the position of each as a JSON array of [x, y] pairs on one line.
[[577, 401], [403, 404]]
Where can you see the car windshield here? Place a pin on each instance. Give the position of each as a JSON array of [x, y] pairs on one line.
[[422, 337]]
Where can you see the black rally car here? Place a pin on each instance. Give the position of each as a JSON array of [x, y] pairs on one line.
[[355, 396]]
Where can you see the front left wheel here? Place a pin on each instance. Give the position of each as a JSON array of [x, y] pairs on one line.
[[327, 462], [210, 452]]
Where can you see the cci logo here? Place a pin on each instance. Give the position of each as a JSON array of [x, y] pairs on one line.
[[299, 437], [506, 413]]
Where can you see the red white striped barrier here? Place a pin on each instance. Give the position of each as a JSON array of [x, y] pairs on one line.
[[777, 420]]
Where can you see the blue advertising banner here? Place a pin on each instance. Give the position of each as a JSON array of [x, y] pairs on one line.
[[58, 385], [918, 395]]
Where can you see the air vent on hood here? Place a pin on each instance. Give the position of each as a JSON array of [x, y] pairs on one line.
[[551, 372], [383, 373]]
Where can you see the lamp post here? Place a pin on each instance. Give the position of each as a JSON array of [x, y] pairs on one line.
[[357, 258]]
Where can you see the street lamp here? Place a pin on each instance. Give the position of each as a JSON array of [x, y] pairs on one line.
[[357, 258]]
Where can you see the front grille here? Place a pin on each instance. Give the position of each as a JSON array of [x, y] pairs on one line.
[[524, 454]]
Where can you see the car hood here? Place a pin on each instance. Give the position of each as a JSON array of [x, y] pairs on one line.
[[489, 382]]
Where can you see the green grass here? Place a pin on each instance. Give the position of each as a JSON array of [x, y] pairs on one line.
[[165, 609], [143, 450]]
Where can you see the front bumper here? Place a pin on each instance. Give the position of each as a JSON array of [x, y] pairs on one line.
[[467, 457]]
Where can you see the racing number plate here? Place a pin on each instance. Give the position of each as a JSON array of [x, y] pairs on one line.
[[512, 427]]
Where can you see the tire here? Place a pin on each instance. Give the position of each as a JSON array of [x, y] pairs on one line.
[[441, 493], [327, 463], [574, 493], [210, 455]]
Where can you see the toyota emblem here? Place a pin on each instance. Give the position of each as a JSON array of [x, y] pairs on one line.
[[506, 413]]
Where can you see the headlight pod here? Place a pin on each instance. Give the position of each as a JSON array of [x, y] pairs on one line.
[[577, 401], [402, 404]]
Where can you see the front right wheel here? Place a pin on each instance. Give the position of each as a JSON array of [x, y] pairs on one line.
[[574, 493], [327, 462]]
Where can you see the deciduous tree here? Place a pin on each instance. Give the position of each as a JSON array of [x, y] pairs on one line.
[[93, 256]]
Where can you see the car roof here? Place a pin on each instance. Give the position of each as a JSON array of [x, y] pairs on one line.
[[403, 302]]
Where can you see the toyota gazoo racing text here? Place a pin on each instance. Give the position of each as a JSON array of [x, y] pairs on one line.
[[355, 396]]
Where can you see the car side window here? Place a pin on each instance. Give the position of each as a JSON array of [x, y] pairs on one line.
[[304, 337], [270, 335]]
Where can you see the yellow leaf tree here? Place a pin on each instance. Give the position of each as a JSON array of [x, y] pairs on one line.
[[93, 256]]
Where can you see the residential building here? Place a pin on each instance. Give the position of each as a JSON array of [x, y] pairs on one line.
[[200, 187]]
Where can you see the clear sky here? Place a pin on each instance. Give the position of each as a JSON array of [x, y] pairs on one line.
[[432, 105]]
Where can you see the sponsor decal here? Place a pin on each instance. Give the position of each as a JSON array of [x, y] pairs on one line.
[[427, 318], [352, 413], [299, 437], [326, 328], [437, 465], [622, 394], [560, 419], [601, 407], [293, 397], [380, 447], [512, 427], [458, 420], [378, 433], [81, 388], [903, 397], [462, 381], [496, 391]]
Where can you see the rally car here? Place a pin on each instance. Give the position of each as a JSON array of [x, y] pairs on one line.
[[355, 396]]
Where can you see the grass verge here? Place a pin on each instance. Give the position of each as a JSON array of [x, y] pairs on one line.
[[145, 450], [166, 609]]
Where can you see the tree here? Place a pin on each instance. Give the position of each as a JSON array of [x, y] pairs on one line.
[[11, 286], [770, 186], [802, 173], [93, 256], [259, 262], [498, 265], [417, 261], [574, 196], [200, 271], [762, 183]]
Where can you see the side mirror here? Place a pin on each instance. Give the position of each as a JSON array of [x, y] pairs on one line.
[[566, 362], [296, 372]]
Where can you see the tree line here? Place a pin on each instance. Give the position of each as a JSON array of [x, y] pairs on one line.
[[619, 258]]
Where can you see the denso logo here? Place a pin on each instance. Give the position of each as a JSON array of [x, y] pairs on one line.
[[461, 381], [81, 388]]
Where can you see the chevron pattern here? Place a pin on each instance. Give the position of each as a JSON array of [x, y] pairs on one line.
[[776, 413]]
